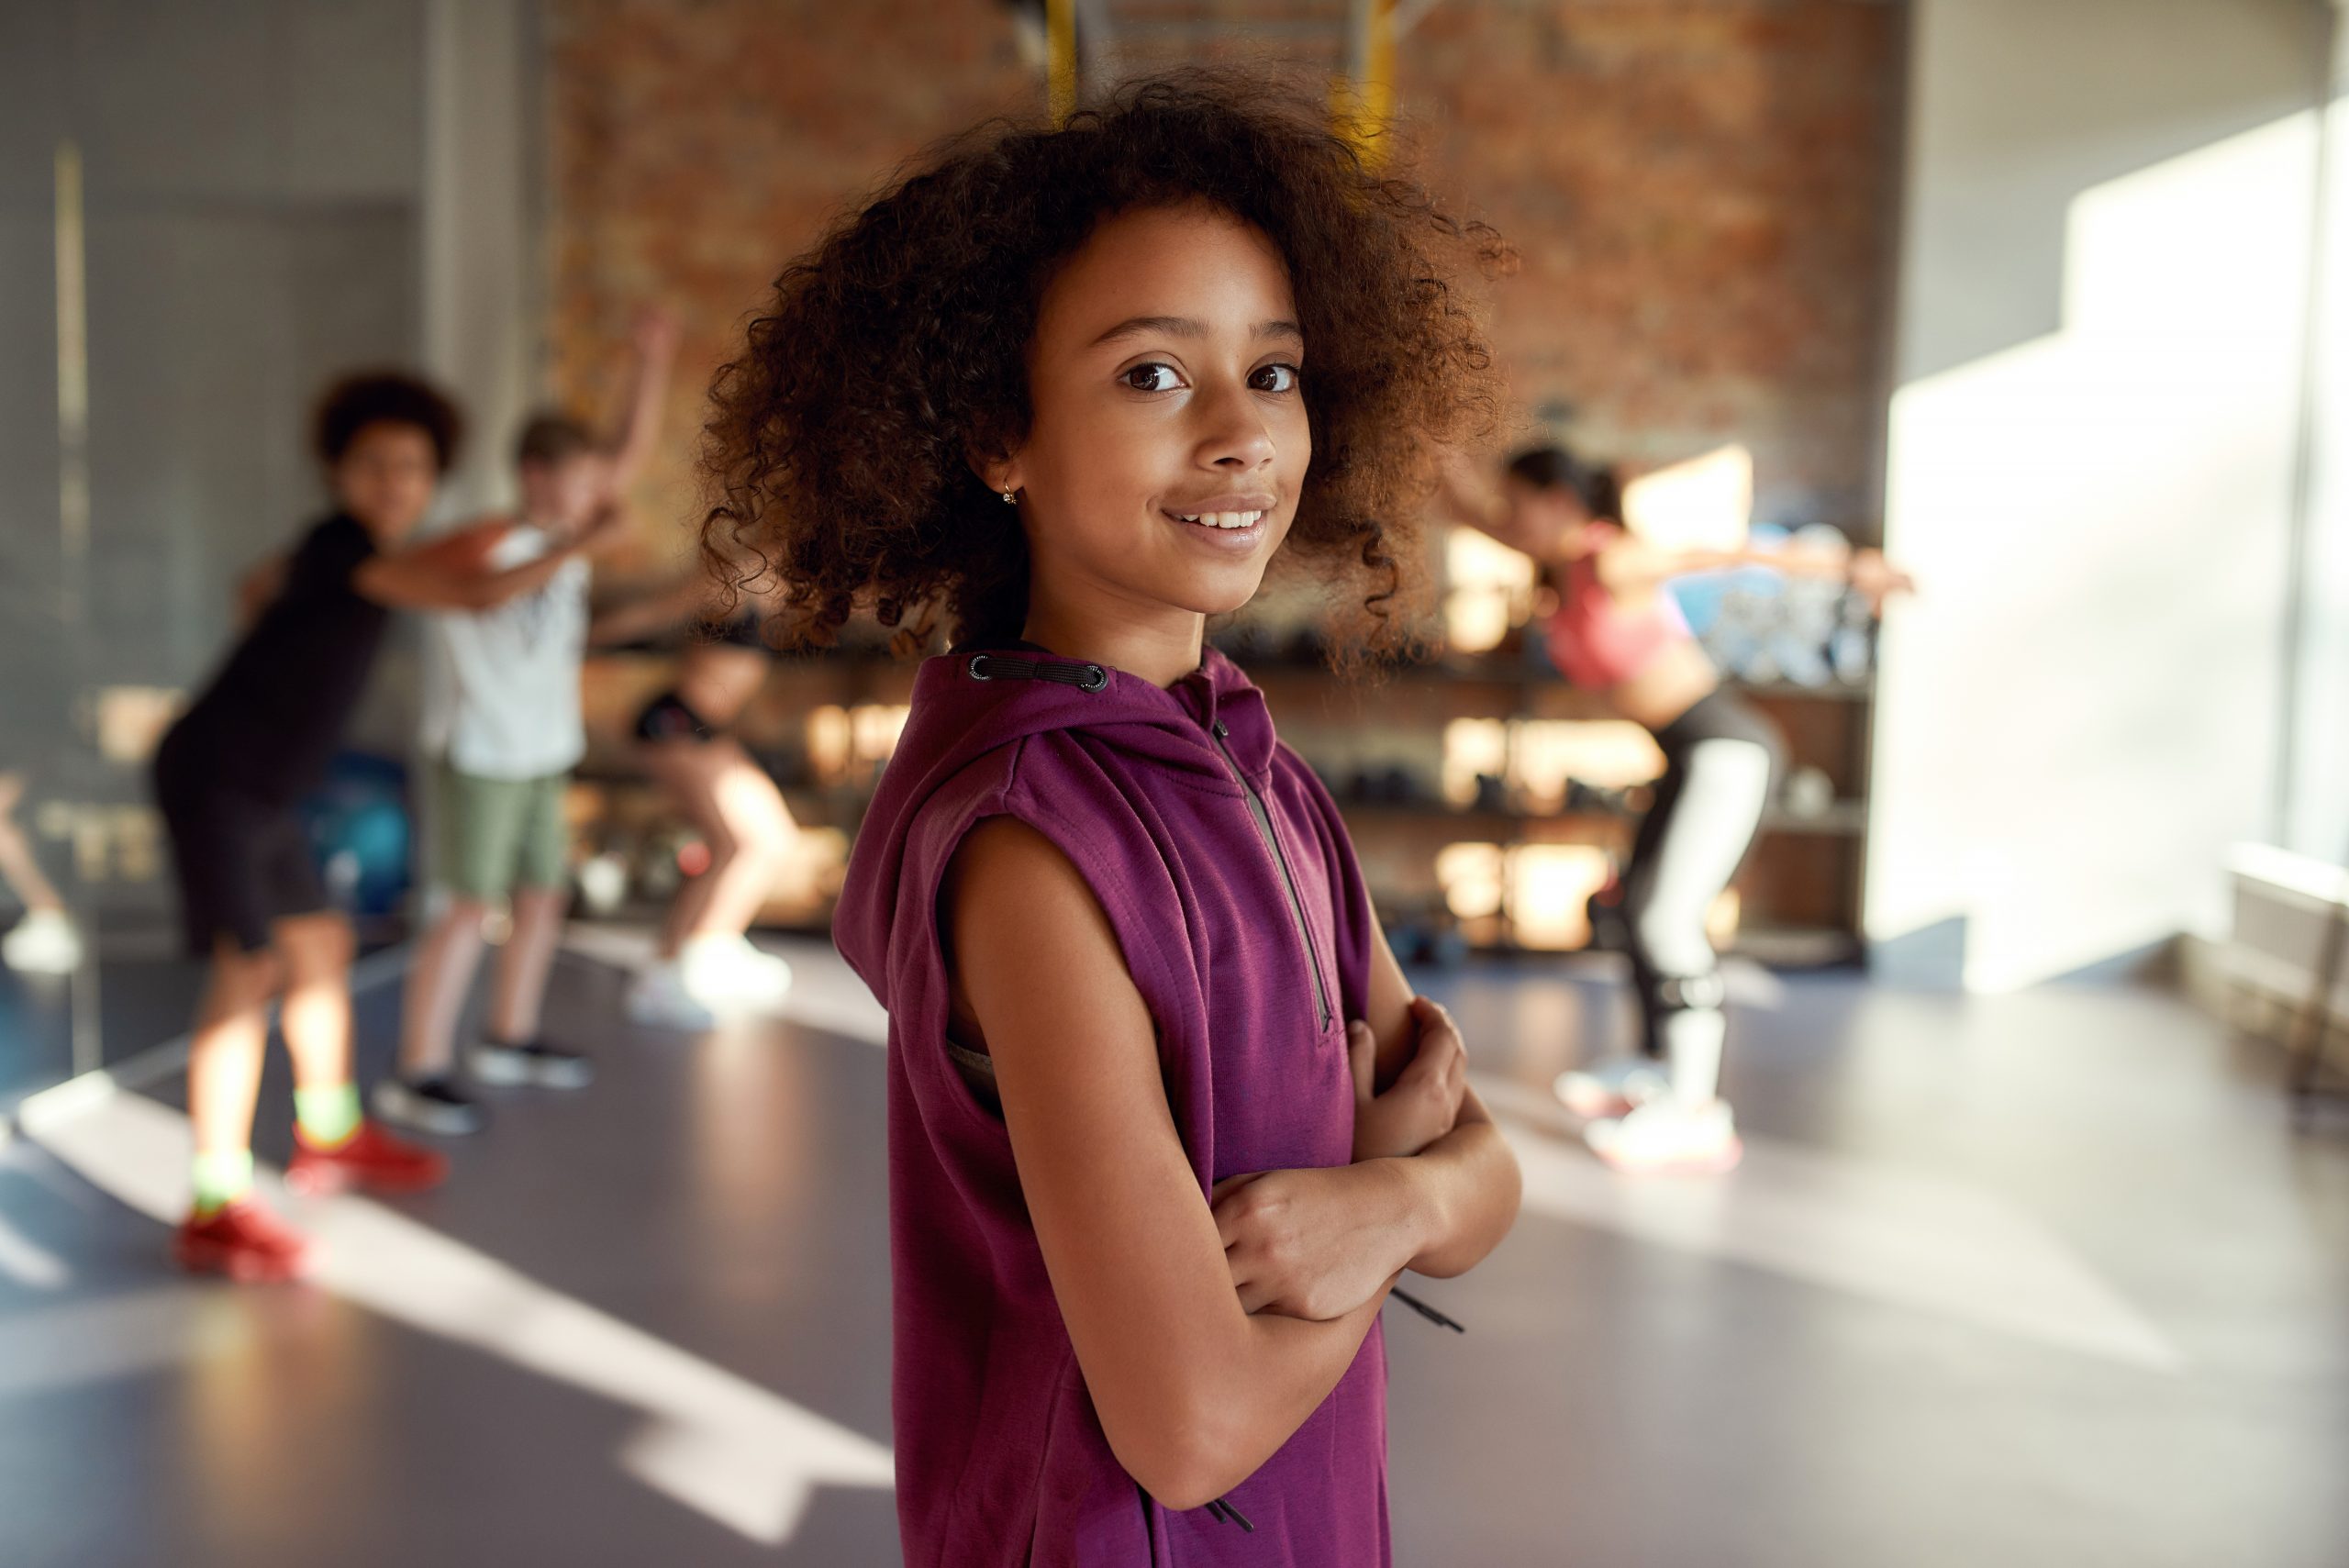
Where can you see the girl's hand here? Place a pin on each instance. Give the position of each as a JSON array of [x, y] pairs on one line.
[[1423, 1102], [1875, 579], [1312, 1244]]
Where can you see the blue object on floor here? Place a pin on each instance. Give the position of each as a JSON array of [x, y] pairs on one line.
[[359, 829]]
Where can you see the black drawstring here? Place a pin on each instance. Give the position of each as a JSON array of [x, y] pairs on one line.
[[1424, 1310], [1231, 1514]]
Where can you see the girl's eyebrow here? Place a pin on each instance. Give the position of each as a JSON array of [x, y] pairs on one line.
[[1189, 327]]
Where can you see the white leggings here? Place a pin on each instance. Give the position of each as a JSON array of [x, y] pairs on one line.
[[1720, 759]]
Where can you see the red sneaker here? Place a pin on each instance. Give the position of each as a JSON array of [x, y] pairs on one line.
[[244, 1242], [368, 1157]]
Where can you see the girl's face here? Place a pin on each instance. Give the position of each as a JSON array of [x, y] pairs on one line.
[[386, 478], [1170, 439]]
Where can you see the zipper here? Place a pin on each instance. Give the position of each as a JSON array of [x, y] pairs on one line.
[[1288, 881]]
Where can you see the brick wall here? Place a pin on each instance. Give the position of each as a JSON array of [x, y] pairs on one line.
[[1700, 188], [1702, 192], [694, 146]]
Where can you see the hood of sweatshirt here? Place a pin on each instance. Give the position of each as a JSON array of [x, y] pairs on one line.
[[969, 705]]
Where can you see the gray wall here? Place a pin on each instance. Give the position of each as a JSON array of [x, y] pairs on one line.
[[2093, 467], [254, 175]]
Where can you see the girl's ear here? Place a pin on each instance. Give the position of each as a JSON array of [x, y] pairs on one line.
[[998, 471]]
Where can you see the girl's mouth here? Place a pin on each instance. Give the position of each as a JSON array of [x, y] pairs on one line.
[[1227, 531], [1227, 522]]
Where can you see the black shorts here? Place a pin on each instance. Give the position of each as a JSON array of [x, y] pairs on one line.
[[243, 863]]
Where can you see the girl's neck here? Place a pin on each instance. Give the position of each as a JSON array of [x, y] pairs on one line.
[[1161, 648]]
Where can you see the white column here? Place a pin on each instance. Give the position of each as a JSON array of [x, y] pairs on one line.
[[480, 267]]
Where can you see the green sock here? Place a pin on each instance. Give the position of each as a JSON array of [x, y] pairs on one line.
[[326, 1115], [222, 1179]]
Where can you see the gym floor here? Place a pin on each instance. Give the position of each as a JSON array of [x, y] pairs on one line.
[[2043, 1279]]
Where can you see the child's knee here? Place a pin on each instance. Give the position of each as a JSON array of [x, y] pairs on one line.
[[467, 913], [245, 978], [316, 946]]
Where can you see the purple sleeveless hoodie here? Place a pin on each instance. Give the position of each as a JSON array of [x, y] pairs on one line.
[[1234, 891]]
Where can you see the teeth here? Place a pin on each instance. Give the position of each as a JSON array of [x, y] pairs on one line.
[[1221, 520]]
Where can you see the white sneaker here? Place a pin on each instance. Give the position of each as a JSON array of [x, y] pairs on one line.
[[658, 998], [1614, 1087], [728, 971], [1666, 1137], [43, 942]]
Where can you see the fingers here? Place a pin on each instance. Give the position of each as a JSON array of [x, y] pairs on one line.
[[1361, 1058], [1441, 1056], [1437, 1075], [1230, 1185], [1432, 1014], [1229, 1220]]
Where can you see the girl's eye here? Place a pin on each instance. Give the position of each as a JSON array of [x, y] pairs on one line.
[[1275, 378], [1151, 378]]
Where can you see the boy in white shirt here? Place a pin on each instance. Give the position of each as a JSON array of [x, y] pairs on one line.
[[501, 726]]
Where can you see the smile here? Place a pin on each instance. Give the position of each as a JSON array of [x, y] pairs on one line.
[[1219, 519]]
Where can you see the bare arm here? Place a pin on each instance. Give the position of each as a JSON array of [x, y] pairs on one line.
[[1194, 1393], [422, 579], [656, 350], [1631, 564], [400, 583], [1433, 1187], [1463, 1190], [257, 588], [656, 612]]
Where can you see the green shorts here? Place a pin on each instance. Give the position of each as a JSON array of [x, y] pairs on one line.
[[492, 836]]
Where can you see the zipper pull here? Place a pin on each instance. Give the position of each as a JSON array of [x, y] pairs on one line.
[[1221, 730]]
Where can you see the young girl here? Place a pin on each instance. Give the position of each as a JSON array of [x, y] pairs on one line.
[[1166, 1119], [1617, 632]]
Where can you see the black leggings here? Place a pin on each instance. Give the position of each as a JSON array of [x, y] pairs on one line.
[[1721, 766]]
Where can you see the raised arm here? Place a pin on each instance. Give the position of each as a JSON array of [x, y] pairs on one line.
[[655, 339], [1194, 1394]]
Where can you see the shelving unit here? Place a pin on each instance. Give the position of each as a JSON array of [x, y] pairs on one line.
[[1798, 895]]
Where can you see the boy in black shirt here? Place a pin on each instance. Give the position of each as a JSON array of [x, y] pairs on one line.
[[228, 778]]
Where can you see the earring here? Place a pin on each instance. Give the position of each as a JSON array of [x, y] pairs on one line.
[[1010, 497]]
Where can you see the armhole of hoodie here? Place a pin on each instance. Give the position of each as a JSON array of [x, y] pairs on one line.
[[1138, 939]]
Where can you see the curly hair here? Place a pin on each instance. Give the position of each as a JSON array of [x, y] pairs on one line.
[[838, 444], [386, 397]]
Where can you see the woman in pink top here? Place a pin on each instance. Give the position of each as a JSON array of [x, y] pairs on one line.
[[1616, 631]]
